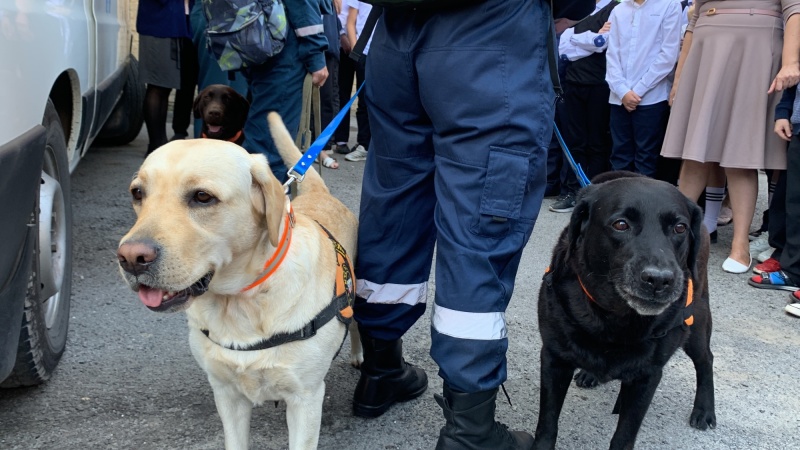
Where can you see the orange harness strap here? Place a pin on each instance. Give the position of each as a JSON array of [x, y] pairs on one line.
[[277, 258]]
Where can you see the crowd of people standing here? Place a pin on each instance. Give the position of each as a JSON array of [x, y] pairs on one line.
[[687, 93]]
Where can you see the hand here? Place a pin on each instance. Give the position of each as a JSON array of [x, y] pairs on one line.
[[318, 78], [783, 128], [606, 28], [673, 92], [631, 100], [563, 23], [788, 76], [345, 43], [337, 6]]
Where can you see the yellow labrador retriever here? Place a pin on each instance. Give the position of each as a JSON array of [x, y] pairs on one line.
[[266, 287]]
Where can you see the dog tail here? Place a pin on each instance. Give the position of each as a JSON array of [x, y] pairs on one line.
[[290, 154]]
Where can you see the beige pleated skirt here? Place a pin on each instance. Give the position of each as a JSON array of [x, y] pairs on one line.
[[721, 112]]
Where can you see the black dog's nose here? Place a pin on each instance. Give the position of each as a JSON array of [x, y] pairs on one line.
[[659, 279], [136, 257], [214, 114]]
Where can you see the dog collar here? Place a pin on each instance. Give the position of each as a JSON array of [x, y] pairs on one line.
[[278, 256], [340, 307], [688, 317], [233, 139]]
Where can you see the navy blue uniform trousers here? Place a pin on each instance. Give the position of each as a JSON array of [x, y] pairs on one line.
[[460, 104], [276, 85]]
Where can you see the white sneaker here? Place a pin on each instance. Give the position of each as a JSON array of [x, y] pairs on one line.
[[765, 255], [760, 244], [793, 309], [358, 154]]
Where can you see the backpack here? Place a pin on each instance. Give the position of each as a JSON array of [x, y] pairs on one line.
[[244, 33]]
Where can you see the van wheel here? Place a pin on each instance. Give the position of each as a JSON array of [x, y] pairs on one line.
[[125, 121], [45, 321]]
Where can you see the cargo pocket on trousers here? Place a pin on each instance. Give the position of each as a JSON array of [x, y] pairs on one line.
[[503, 190]]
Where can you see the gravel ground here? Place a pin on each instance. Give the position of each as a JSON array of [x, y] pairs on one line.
[[128, 380]]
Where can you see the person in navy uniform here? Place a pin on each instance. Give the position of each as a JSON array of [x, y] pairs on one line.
[[460, 102]]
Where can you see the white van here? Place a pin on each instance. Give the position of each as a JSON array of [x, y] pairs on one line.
[[67, 78]]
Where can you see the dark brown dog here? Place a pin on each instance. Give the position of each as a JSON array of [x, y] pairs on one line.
[[627, 286], [223, 112]]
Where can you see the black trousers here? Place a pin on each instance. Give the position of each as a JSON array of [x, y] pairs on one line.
[[362, 118], [329, 95], [586, 130], [784, 214], [347, 74]]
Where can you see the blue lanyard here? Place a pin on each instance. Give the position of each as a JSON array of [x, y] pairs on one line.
[[298, 172]]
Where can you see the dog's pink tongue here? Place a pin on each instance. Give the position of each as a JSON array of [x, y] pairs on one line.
[[214, 128], [150, 297]]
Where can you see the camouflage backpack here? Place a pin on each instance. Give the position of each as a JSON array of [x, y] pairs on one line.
[[244, 33]]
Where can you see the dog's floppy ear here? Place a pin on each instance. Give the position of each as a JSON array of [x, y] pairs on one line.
[[268, 197], [696, 243], [197, 107], [579, 220]]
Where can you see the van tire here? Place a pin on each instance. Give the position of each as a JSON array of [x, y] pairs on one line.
[[127, 118], [45, 321]]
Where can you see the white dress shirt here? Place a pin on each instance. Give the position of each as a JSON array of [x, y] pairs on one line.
[[577, 46], [643, 47], [361, 19]]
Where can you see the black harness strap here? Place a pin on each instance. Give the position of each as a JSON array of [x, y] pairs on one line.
[[341, 302]]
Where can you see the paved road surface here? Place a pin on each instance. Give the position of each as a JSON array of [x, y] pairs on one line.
[[128, 380]]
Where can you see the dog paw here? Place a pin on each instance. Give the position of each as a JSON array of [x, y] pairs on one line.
[[356, 359], [586, 380], [703, 419]]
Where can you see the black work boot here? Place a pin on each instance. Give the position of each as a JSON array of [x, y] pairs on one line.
[[471, 425], [385, 378]]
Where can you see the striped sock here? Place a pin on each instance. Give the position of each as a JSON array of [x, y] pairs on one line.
[[771, 190], [714, 196]]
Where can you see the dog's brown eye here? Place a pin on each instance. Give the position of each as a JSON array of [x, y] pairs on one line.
[[680, 228], [620, 225], [136, 193], [203, 197]]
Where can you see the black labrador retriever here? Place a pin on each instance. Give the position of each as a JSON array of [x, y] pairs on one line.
[[627, 286], [223, 112]]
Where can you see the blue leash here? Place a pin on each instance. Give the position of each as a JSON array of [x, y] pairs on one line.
[[582, 178], [298, 172]]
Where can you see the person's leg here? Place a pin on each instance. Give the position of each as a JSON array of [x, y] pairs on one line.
[[363, 135], [743, 190], [362, 117], [790, 258], [347, 73], [574, 132], [623, 148], [489, 181], [778, 219], [184, 97], [649, 125], [329, 106], [276, 85], [396, 233], [715, 193], [693, 178], [598, 135], [329, 92], [155, 115]]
